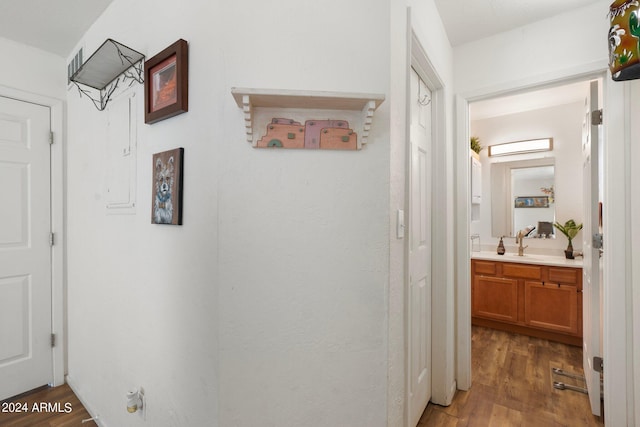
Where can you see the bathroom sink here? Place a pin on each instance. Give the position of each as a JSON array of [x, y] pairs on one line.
[[529, 256]]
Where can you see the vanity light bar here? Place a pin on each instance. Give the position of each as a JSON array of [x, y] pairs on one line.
[[519, 147]]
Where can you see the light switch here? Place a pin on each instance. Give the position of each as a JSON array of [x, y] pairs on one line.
[[400, 224]]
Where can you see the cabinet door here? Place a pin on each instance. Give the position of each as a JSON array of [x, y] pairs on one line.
[[551, 306], [495, 298]]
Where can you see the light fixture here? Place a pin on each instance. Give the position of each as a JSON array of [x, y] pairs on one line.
[[520, 147], [624, 40]]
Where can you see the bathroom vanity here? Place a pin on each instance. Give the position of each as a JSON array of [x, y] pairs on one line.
[[534, 295]]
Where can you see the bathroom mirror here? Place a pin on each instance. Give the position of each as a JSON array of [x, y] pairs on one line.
[[522, 198]]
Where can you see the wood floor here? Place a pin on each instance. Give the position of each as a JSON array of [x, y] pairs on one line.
[[512, 385], [45, 407]]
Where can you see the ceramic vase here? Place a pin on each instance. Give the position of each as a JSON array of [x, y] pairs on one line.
[[624, 40]]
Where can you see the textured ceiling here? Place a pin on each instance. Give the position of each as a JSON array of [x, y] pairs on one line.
[[467, 20], [55, 26]]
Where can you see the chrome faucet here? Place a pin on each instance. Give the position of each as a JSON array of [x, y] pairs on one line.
[[519, 239]]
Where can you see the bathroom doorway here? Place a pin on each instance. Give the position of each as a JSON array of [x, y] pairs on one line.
[[555, 112]]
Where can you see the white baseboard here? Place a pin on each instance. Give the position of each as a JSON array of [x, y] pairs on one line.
[[94, 415]]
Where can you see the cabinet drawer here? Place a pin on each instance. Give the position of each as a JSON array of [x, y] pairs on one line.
[[485, 267], [564, 275], [522, 271]]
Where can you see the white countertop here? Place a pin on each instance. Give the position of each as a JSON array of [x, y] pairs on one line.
[[529, 259]]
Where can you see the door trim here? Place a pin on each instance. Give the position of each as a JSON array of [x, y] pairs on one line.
[[443, 383], [58, 223], [616, 309]]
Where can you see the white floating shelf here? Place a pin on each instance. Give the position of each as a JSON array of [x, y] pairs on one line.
[[250, 99]]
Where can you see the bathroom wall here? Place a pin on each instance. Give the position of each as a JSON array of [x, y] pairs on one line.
[[564, 124], [268, 306], [526, 56]]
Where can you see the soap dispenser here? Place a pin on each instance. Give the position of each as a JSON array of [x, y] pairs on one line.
[[501, 249]]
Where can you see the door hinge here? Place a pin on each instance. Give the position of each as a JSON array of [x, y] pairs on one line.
[[597, 242], [596, 117], [50, 138], [52, 239], [598, 364], [53, 340]]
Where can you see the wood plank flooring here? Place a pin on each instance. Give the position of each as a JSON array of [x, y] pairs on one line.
[[512, 385], [54, 407]]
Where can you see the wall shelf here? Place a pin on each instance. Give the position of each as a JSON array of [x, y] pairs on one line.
[[290, 102], [112, 63]]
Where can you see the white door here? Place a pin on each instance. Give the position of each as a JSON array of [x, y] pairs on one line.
[[591, 302], [419, 294], [25, 250]]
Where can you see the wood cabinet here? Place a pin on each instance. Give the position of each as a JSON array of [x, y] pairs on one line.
[[536, 300]]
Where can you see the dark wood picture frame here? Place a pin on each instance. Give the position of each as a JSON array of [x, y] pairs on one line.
[[166, 200], [166, 83]]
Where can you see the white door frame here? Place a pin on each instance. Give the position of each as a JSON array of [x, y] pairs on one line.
[[58, 222], [443, 383], [617, 309]]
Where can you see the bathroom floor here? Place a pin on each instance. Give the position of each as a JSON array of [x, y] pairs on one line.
[[45, 406], [512, 385]]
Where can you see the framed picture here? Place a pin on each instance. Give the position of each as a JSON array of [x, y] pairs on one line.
[[532, 202], [166, 83], [166, 204]]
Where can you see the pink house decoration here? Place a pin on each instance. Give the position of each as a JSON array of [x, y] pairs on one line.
[[280, 118], [314, 134]]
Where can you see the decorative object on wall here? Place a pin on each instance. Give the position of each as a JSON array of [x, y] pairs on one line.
[[259, 105], [111, 64], [624, 40], [532, 202], [322, 134], [569, 229], [549, 191], [521, 147], [166, 91], [166, 205]]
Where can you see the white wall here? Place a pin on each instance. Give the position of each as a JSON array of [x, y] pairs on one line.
[[564, 124], [567, 44], [143, 299], [269, 305], [303, 243], [32, 70]]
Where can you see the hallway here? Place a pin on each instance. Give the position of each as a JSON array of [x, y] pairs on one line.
[[513, 386]]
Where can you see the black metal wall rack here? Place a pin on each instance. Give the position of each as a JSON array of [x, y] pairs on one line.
[[110, 66]]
